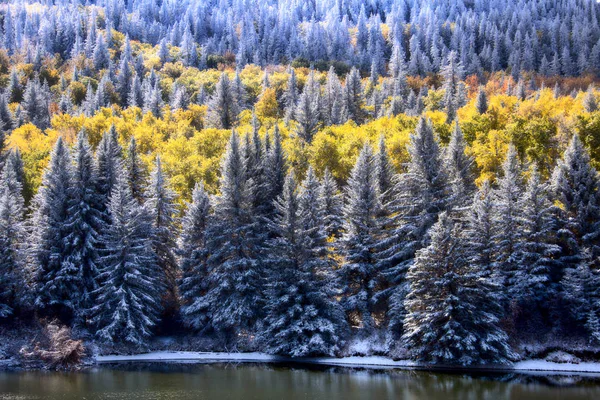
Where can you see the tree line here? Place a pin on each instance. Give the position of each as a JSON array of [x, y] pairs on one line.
[[292, 265]]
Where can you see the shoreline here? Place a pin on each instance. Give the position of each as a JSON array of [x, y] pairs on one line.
[[529, 367]]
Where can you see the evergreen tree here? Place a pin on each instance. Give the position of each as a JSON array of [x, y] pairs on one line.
[[193, 254], [590, 104], [385, 173], [358, 272], [275, 170], [83, 224], [12, 234], [354, 97], [535, 251], [108, 162], [575, 186], [452, 73], [332, 204], [506, 217], [128, 299], [161, 208], [302, 318], [459, 169], [222, 105], [56, 282], [481, 104], [101, 56], [420, 195], [135, 171], [235, 280], [452, 305], [290, 96], [308, 109]]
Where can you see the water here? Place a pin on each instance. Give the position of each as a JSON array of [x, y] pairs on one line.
[[227, 381]]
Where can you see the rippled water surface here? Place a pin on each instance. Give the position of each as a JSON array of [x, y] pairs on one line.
[[227, 381]]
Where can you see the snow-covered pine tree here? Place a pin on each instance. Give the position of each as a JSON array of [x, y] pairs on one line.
[[332, 204], [358, 273], [506, 217], [135, 171], [385, 173], [353, 107], [275, 170], [12, 234], [536, 251], [235, 283], [160, 205], [56, 282], [459, 168], [83, 224], [579, 295], [308, 110], [420, 194], [302, 317], [108, 162], [590, 103], [193, 256], [290, 96], [223, 105], [452, 305], [576, 186], [481, 104], [452, 73], [128, 300]]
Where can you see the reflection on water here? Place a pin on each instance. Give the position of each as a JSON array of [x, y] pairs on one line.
[[227, 381]]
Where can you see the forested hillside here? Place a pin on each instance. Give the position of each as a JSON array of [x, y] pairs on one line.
[[411, 178]]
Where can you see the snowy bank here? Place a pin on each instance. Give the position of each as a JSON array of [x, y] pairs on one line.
[[529, 366]]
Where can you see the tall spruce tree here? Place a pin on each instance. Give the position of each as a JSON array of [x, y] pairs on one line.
[[459, 168], [575, 186], [536, 251], [421, 194], [234, 293], [302, 318], [56, 282], [223, 106], [452, 305], [308, 110], [193, 255], [84, 223], [358, 273], [161, 207], [506, 217], [332, 204], [109, 162], [128, 300], [12, 234], [135, 171]]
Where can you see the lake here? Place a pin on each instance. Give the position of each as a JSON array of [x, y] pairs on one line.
[[255, 381]]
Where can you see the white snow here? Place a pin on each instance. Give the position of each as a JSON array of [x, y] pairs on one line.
[[356, 361]]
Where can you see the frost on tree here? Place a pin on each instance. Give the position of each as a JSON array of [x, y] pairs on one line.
[[420, 194], [84, 224], [128, 300], [302, 317], [235, 280], [56, 281], [193, 254], [358, 273], [452, 305], [160, 205], [13, 292]]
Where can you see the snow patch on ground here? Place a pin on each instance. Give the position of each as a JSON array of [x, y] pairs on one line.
[[355, 361], [562, 357]]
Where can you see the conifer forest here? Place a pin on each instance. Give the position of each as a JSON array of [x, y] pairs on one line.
[[416, 179]]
